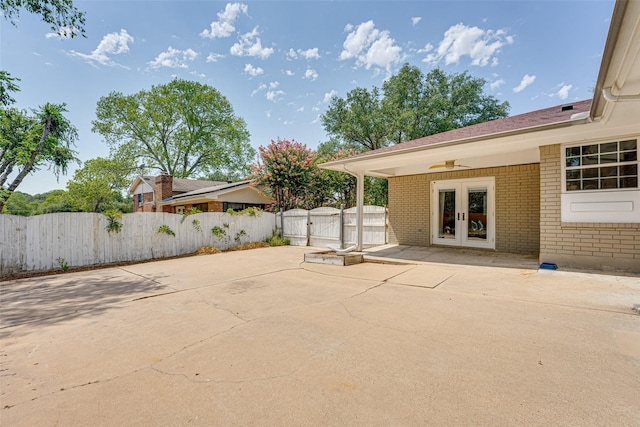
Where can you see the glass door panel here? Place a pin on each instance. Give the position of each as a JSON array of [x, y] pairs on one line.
[[477, 214], [447, 214]]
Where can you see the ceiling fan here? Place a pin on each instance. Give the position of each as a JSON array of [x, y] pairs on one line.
[[449, 164]]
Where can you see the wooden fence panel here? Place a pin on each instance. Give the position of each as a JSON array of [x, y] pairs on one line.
[[43, 242], [324, 226]]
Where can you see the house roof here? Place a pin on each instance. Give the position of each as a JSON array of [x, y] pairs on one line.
[[213, 192], [183, 185], [180, 185], [539, 119]]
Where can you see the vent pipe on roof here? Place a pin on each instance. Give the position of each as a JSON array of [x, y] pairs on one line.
[[606, 94]]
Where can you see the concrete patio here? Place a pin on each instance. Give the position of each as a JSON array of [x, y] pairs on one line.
[[260, 338]]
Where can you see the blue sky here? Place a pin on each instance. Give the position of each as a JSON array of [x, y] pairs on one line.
[[279, 62]]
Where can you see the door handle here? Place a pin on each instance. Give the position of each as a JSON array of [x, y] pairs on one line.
[[458, 216], [463, 216]]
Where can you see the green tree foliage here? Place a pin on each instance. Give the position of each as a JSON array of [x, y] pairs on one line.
[[7, 85], [98, 185], [28, 142], [419, 105], [287, 169], [185, 128], [334, 188], [359, 119], [61, 15]]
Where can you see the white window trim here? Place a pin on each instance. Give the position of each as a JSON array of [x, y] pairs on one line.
[[616, 205]]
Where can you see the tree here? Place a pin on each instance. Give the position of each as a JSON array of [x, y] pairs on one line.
[[61, 15], [287, 169], [334, 188], [28, 142], [358, 119], [185, 128], [419, 105], [97, 186]]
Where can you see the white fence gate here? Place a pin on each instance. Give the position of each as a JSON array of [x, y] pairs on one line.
[[322, 226], [43, 242]]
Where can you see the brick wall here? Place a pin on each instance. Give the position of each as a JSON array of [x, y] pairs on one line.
[[583, 245], [517, 206], [163, 190]]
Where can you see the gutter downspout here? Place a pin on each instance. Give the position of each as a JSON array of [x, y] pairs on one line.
[[359, 205]]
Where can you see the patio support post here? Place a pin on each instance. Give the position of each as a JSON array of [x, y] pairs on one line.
[[359, 208]]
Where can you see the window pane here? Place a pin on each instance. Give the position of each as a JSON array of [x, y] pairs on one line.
[[609, 171], [609, 147], [572, 151], [629, 170], [590, 173], [590, 184], [629, 156], [590, 149], [628, 145], [590, 160], [574, 174], [573, 161], [609, 158], [573, 185], [609, 183], [629, 182]]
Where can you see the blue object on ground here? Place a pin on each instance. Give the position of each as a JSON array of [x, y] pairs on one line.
[[548, 266]]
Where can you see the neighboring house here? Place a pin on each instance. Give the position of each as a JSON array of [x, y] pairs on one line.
[[163, 193], [561, 182]]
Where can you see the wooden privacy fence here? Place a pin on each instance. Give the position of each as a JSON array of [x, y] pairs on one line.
[[322, 226], [44, 242]]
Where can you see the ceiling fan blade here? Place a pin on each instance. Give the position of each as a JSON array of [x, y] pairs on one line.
[[438, 166]]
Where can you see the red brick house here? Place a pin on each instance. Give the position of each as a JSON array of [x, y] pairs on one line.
[[164, 193]]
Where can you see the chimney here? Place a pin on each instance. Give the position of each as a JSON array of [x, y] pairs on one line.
[[163, 190]]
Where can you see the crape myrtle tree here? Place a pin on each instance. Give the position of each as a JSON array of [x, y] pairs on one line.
[[185, 128], [287, 170]]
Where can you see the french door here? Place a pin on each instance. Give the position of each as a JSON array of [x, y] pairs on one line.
[[463, 212]]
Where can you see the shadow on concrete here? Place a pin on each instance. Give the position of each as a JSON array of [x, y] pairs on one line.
[[456, 256], [48, 300]]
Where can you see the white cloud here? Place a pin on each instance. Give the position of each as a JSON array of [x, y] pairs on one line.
[[214, 57], [292, 54], [224, 26], [173, 58], [495, 85], [249, 44], [274, 85], [415, 20], [274, 95], [480, 45], [310, 74], [309, 53], [289, 73], [370, 47], [526, 81], [62, 33], [111, 44], [259, 89], [563, 93], [197, 74], [300, 110], [329, 95], [253, 71], [268, 114]]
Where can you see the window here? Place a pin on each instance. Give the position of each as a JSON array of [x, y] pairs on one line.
[[237, 207], [140, 199], [605, 166], [202, 207]]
